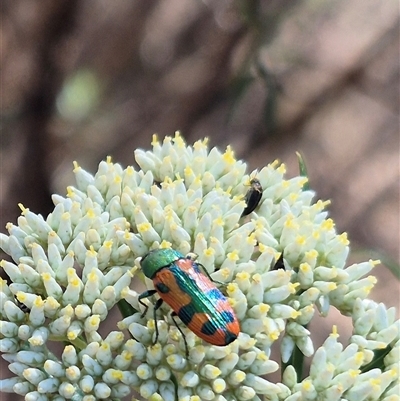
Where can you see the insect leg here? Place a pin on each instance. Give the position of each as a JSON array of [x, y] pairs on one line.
[[156, 306], [143, 295], [183, 335], [208, 275]]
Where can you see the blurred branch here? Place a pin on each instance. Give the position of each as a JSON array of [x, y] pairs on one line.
[[333, 90], [31, 186]]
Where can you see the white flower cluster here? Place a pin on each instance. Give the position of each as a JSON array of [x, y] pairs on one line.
[[69, 270], [336, 373]]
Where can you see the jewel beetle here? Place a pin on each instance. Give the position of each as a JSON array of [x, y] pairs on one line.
[[253, 197], [192, 295]]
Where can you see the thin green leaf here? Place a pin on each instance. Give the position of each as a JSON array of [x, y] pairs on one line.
[[297, 361], [125, 308], [377, 361], [303, 170]]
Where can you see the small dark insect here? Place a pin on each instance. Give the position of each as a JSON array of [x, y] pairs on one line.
[[253, 196], [279, 263]]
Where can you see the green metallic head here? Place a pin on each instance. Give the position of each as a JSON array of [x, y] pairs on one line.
[[158, 259]]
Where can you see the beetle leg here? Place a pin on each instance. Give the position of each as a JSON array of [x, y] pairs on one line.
[[189, 257], [143, 295], [208, 275], [183, 335], [156, 306]]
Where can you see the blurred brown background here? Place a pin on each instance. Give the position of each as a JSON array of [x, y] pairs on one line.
[[81, 80]]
